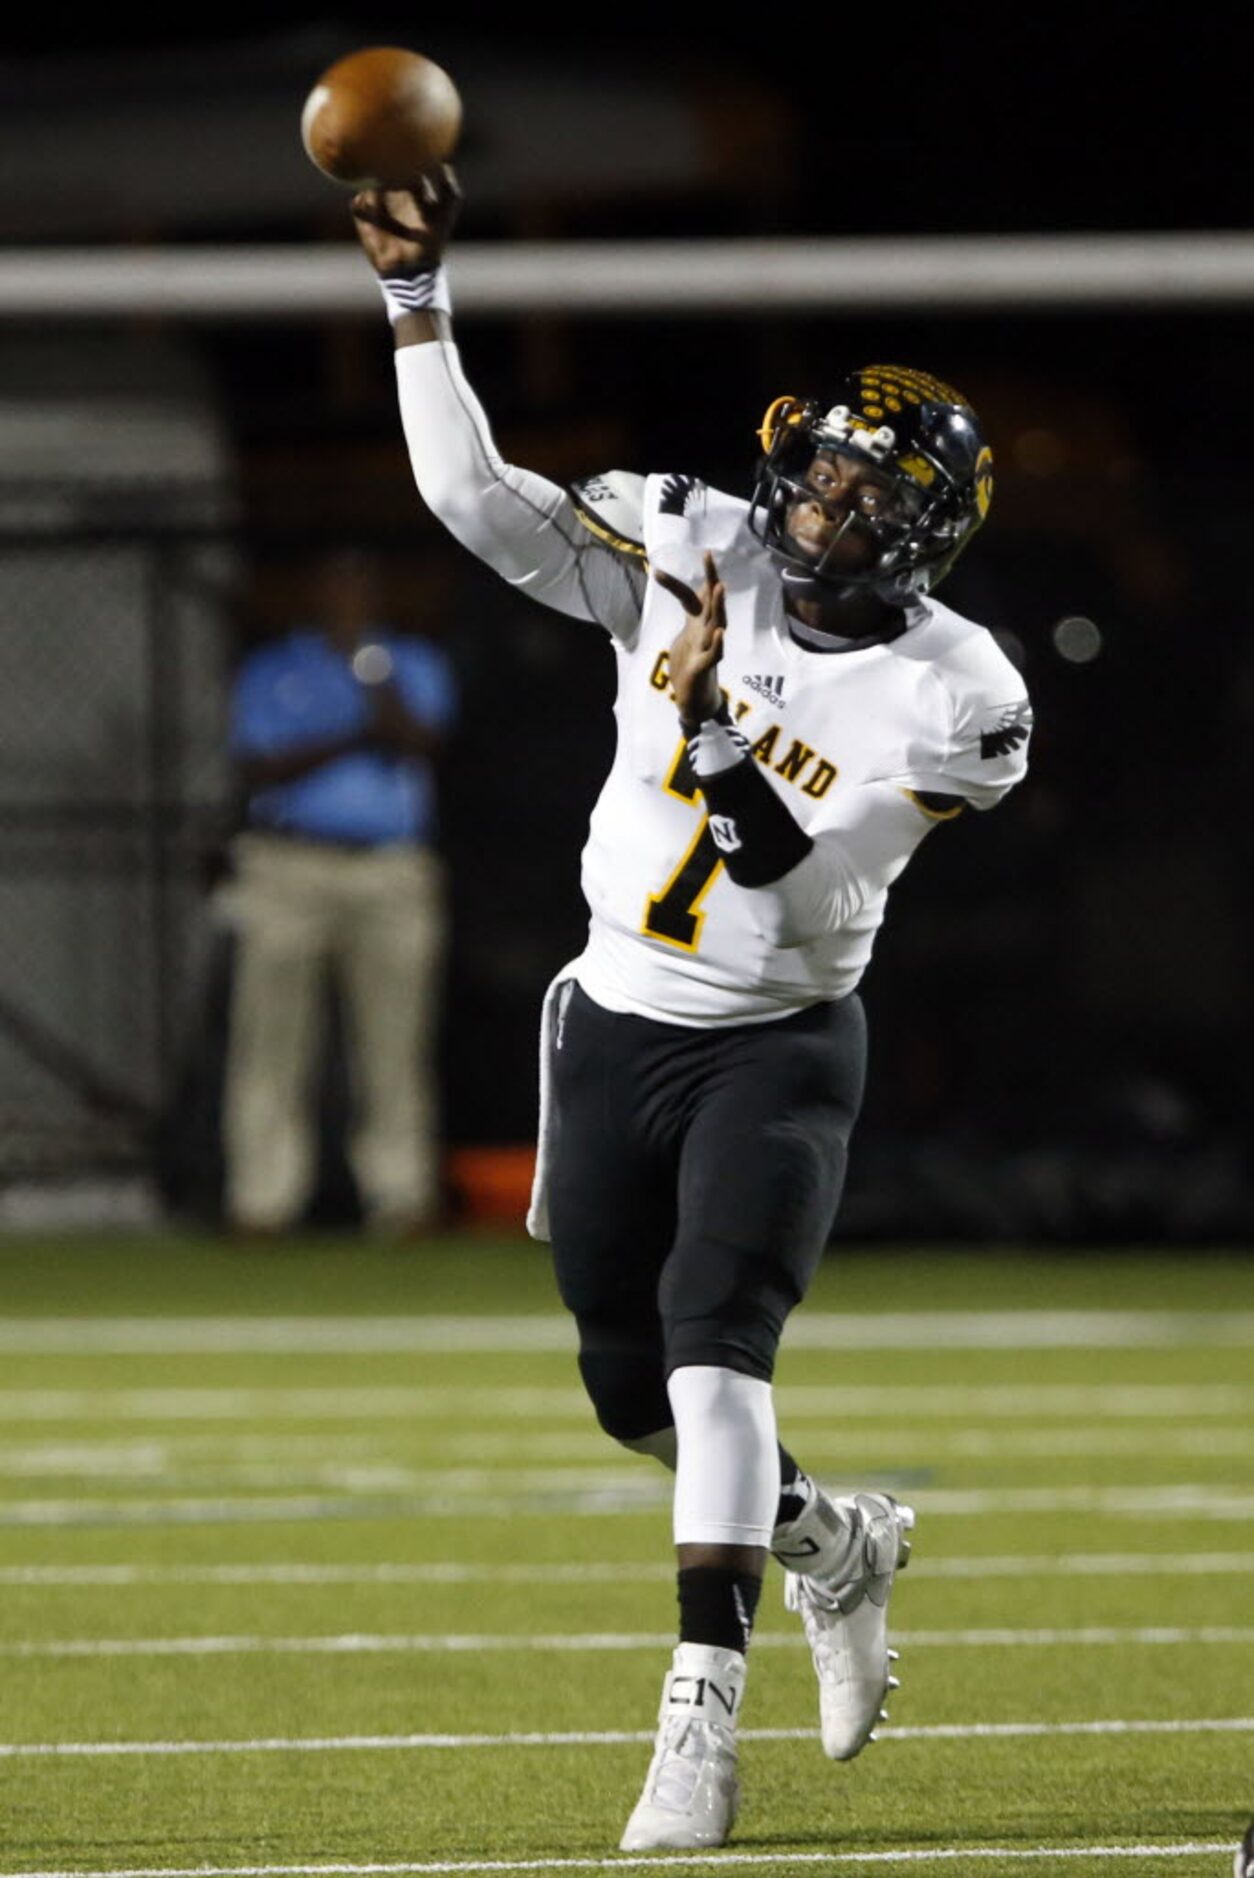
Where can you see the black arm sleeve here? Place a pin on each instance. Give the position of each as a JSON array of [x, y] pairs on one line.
[[756, 836]]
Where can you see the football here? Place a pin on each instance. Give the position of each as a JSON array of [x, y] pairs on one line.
[[380, 117]]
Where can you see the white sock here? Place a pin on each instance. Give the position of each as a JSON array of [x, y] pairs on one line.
[[727, 1480]]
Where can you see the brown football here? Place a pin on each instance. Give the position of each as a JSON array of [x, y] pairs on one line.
[[380, 117]]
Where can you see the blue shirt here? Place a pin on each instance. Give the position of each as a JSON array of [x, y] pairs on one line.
[[300, 690]]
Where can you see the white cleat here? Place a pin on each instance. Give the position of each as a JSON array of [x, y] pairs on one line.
[[691, 1792], [846, 1625]]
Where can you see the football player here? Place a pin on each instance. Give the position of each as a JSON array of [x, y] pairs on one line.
[[1243, 1862], [795, 713]]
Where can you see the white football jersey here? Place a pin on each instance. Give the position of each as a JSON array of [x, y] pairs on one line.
[[846, 738]]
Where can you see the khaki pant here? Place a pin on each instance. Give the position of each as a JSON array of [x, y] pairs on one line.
[[375, 918]]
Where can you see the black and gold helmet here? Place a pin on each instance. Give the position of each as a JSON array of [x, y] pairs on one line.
[[923, 439]]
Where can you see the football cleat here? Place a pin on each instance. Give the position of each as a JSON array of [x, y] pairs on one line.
[[1243, 1864], [691, 1792], [846, 1625]]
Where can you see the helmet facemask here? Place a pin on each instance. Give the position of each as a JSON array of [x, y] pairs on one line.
[[927, 495]]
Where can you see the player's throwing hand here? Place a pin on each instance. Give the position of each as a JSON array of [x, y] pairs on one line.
[[697, 649], [405, 231]]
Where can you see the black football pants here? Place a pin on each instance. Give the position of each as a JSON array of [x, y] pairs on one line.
[[694, 1181]]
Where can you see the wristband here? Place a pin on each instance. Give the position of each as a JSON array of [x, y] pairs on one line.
[[715, 745], [424, 292]]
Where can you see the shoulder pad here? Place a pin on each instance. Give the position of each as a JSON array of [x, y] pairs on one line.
[[611, 506]]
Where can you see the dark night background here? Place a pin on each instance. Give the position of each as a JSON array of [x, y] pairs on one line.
[[1058, 1003]]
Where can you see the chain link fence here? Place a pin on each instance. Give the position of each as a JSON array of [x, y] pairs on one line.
[[112, 778]]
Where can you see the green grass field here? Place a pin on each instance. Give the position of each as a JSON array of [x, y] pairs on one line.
[[313, 1558]]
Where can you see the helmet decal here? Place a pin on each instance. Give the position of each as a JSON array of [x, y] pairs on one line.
[[904, 383], [918, 469]]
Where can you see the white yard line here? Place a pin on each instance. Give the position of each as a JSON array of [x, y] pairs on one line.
[[450, 1573], [312, 1462], [126, 1454], [1088, 1565], [370, 1643], [338, 1744], [591, 1493], [539, 1332], [1191, 1498], [1045, 1443], [897, 1404], [457, 1572], [427, 1493], [835, 1861]]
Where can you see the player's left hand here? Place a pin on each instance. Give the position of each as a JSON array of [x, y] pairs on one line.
[[696, 651]]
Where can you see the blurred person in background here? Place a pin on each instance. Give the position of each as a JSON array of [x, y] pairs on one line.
[[795, 713], [336, 729]]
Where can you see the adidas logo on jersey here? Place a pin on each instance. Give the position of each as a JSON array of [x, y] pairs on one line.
[[799, 763], [772, 688]]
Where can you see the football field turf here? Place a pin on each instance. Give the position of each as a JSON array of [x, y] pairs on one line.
[[312, 1558]]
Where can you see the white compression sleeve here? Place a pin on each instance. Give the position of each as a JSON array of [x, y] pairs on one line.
[[727, 1482], [522, 525]]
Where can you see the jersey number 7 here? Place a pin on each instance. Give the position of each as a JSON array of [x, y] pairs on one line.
[[675, 914]]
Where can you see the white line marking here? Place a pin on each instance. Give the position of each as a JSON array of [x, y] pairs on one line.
[[368, 1643], [337, 1744], [188, 1456], [449, 1572], [1088, 1565], [538, 1332], [1191, 1498], [596, 1492], [1046, 1443], [575, 1490], [383, 1574], [835, 1860], [310, 1461], [795, 1402]]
